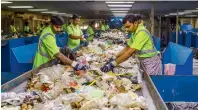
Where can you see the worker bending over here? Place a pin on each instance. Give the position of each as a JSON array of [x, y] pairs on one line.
[[75, 33], [48, 50], [90, 31], [13, 29], [106, 26], [141, 44]]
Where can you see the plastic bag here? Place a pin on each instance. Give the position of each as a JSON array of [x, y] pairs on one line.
[[69, 98]]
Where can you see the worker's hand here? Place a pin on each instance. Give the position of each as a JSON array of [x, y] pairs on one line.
[[79, 66], [68, 53], [107, 67]]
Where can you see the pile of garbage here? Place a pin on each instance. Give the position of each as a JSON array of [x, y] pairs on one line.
[[61, 88], [117, 37]]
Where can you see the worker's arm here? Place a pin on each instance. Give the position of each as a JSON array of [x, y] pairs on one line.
[[71, 34], [75, 37], [122, 52], [125, 55], [63, 58]]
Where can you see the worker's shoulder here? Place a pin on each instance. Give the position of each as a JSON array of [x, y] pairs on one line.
[[143, 31]]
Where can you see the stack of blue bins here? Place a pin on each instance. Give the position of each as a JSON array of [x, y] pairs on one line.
[[195, 37], [187, 34], [157, 43], [182, 86]]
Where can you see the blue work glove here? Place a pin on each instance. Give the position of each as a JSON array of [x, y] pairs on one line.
[[78, 66], [109, 66]]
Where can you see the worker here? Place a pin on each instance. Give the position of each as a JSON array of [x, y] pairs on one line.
[[13, 29], [64, 28], [27, 28], [106, 26], [46, 25], [102, 27], [39, 29], [142, 44], [90, 31], [48, 50], [75, 33]]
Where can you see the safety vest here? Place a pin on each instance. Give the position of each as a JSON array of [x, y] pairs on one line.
[[73, 43], [12, 28], [141, 52], [90, 33]]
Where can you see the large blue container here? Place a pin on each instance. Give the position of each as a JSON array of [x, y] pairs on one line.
[[187, 35], [22, 58], [31, 40], [7, 76], [6, 50], [62, 40], [181, 56], [177, 88], [172, 37], [186, 27], [180, 38], [156, 42]]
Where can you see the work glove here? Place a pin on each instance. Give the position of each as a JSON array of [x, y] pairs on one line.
[[85, 42], [68, 53], [109, 66], [79, 66]]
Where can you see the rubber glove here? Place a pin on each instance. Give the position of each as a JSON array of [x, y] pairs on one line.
[[68, 53], [79, 66], [109, 66]]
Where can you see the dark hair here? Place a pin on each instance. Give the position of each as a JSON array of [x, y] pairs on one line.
[[57, 20], [26, 23], [130, 18], [12, 22], [75, 16], [92, 22], [46, 24], [138, 17]]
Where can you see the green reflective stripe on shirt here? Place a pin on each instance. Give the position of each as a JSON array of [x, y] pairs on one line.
[[91, 33], [47, 48], [75, 31], [141, 42]]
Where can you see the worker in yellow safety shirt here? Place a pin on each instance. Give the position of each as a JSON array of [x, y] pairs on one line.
[[64, 28], [106, 26], [48, 50], [75, 33], [27, 28], [12, 28], [102, 27], [140, 44], [39, 29], [90, 31]]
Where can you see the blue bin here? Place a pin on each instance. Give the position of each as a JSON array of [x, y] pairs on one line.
[[181, 56], [177, 88], [6, 51], [22, 58], [62, 40], [7, 76], [31, 40], [156, 42], [180, 38], [187, 35], [186, 27], [172, 37]]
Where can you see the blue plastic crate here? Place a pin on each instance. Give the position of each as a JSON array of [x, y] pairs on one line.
[[172, 37], [177, 88], [187, 35], [181, 56], [7, 76], [62, 40], [156, 41], [6, 51], [31, 40], [22, 58]]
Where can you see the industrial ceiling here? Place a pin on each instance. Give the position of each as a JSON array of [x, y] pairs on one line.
[[100, 9]]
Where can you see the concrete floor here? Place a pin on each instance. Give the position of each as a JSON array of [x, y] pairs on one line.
[[195, 67]]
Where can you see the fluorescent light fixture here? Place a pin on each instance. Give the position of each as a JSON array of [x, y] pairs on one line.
[[58, 13], [5, 2], [49, 12], [190, 15], [166, 15], [119, 2], [68, 15], [20, 7], [120, 14], [37, 9], [197, 8], [119, 9], [191, 11], [120, 6]]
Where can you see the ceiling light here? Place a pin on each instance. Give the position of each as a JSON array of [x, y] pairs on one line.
[[191, 10], [58, 13], [119, 2], [190, 15], [37, 9], [49, 12], [5, 2], [166, 15], [119, 9], [197, 8], [20, 7], [119, 5], [68, 15]]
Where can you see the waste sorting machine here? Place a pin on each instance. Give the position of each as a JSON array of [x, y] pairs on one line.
[[148, 90]]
